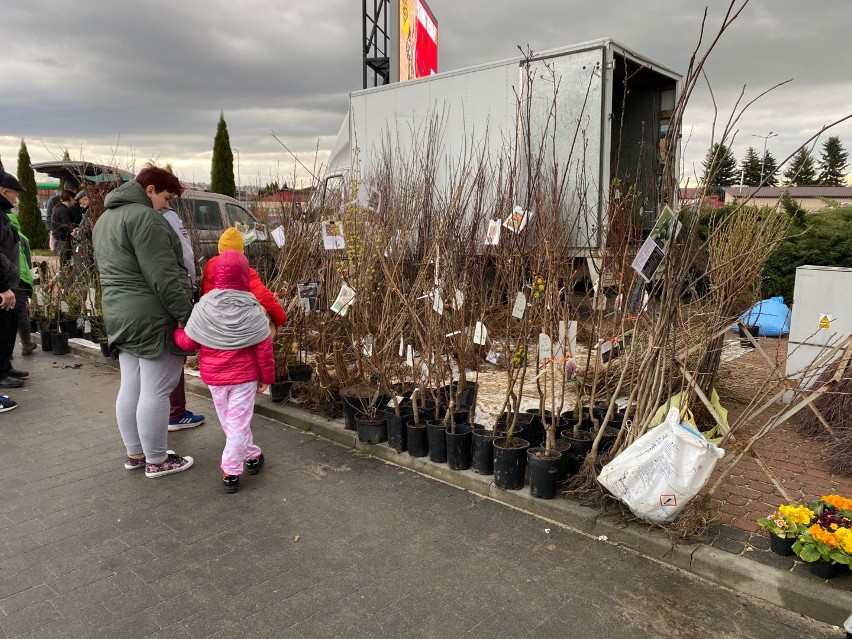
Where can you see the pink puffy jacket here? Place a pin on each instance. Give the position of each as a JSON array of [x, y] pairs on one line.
[[223, 368]]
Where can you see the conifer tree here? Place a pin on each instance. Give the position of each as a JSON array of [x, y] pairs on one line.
[[801, 171], [29, 214], [66, 157], [770, 166], [222, 171], [750, 168], [833, 163], [720, 167]]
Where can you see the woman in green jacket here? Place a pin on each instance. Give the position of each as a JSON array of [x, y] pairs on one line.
[[145, 296]]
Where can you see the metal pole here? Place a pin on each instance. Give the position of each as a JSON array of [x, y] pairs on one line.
[[763, 157]]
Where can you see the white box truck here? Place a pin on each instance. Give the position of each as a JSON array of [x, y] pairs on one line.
[[619, 101]]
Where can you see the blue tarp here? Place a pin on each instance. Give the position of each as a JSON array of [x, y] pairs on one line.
[[772, 315]]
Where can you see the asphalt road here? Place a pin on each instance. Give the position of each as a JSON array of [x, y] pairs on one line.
[[325, 542]]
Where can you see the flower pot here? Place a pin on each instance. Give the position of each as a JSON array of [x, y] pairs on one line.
[[754, 330], [544, 472], [299, 372], [68, 326], [782, 545], [418, 441], [46, 339], [437, 434], [459, 447], [827, 570], [60, 343], [461, 416], [534, 432], [482, 450], [510, 463], [395, 425], [280, 391], [352, 405], [580, 445], [468, 396], [371, 430], [607, 439], [565, 462]]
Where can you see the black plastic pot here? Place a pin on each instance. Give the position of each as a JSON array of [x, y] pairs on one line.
[[534, 432], [607, 440], [826, 570], [579, 446], [352, 405], [68, 326], [46, 340], [782, 545], [299, 372], [418, 439], [566, 468], [395, 424], [544, 472], [371, 430], [510, 464], [459, 447], [33, 326], [60, 343], [461, 416], [437, 433], [278, 391], [482, 450]]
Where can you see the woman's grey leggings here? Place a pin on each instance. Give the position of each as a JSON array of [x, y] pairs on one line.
[[142, 405]]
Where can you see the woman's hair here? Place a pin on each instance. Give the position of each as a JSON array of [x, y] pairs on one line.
[[160, 179], [64, 196]]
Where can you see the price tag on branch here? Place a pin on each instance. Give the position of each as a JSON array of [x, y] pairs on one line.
[[520, 306], [480, 334]]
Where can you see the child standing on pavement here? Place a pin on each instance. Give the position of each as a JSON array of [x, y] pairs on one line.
[[230, 328]]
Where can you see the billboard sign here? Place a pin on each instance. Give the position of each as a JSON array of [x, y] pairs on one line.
[[418, 40]]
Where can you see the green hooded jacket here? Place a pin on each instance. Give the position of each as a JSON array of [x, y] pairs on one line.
[[26, 257], [144, 285]]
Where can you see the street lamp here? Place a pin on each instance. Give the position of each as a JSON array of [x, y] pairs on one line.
[[763, 157]]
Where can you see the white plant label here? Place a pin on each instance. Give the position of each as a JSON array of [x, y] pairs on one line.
[[517, 220], [480, 334], [344, 299], [399, 399], [278, 236], [492, 235], [492, 357], [63, 306], [39, 298], [332, 235], [545, 347], [409, 356], [437, 302], [572, 336], [559, 347], [401, 346], [87, 326], [520, 306], [459, 299]]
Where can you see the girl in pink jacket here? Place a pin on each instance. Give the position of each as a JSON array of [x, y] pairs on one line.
[[230, 328]]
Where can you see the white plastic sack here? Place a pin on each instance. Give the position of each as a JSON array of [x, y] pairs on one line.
[[660, 472]]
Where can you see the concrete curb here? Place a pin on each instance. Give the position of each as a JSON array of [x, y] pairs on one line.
[[782, 588]]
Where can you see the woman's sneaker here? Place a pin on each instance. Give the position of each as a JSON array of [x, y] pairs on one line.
[[231, 483], [253, 466], [132, 463], [172, 464], [189, 420]]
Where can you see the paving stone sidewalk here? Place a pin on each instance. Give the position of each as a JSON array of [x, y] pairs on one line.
[[325, 542]]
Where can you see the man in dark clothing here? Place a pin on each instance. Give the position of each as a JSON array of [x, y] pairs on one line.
[[63, 224], [10, 274]]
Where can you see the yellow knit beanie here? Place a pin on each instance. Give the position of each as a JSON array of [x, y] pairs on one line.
[[231, 239]]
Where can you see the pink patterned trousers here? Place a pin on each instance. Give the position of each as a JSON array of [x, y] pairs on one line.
[[235, 407]]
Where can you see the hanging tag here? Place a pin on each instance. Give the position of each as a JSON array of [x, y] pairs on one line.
[[367, 346], [480, 334], [399, 399], [492, 357], [572, 336], [520, 306], [278, 236], [545, 347], [344, 299], [459, 299], [39, 298], [63, 306], [452, 334], [409, 355], [87, 326], [332, 235], [401, 346], [517, 220], [559, 347], [437, 302], [492, 235]]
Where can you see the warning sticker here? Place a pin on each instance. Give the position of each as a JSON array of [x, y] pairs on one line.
[[825, 321], [668, 500]]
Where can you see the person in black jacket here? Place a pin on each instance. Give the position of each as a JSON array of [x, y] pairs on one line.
[[63, 223], [10, 275]]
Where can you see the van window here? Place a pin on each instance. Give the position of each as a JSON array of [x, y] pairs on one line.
[[202, 215], [238, 214], [332, 199]]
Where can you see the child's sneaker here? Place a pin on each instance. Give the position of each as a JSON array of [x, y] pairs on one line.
[[189, 420], [231, 483], [131, 463], [253, 466], [6, 403], [173, 464]]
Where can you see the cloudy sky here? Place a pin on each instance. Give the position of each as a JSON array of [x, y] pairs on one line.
[[122, 82]]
